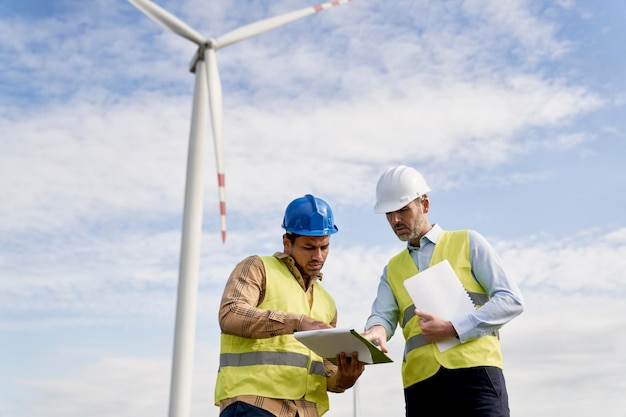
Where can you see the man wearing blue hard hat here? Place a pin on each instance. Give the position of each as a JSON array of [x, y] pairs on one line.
[[264, 371]]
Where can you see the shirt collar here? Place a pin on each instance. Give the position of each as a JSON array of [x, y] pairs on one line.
[[431, 236]]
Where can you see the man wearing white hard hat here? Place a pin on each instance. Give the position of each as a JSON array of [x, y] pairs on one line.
[[467, 377]]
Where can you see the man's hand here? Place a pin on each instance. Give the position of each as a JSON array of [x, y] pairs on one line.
[[309, 323], [434, 328], [377, 335], [348, 369]]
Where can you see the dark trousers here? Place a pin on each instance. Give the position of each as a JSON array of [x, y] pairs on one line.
[[469, 392], [241, 409]]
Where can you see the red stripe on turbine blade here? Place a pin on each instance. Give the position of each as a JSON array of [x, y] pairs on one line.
[[333, 3], [223, 208], [223, 223], [221, 180]]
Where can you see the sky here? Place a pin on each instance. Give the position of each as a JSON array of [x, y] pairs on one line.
[[513, 111]]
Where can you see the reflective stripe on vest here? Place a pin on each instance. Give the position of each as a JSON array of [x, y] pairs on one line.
[[272, 358], [279, 366], [421, 358]]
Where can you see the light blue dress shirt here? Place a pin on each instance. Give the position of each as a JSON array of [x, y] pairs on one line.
[[505, 299]]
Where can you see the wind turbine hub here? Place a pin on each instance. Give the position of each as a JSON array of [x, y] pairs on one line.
[[199, 55]]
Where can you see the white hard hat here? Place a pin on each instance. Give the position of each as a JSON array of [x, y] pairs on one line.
[[397, 187]]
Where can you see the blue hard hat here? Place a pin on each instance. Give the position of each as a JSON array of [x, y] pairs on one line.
[[309, 216]]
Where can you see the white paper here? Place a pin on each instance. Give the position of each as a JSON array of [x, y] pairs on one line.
[[437, 290]]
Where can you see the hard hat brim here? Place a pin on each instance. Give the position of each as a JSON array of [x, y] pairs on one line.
[[389, 207]]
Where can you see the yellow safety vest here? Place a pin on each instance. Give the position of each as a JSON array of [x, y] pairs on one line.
[[279, 366], [422, 359]]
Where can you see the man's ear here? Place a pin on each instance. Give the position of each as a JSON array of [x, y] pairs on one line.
[[286, 244], [426, 203]]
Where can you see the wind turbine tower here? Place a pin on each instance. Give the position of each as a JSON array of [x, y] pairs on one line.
[[207, 94]]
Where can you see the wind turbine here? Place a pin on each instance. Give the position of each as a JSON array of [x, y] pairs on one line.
[[207, 88]]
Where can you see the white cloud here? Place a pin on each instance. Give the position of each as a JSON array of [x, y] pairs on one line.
[[587, 264], [537, 38]]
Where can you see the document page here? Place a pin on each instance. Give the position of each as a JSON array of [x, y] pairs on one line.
[[437, 290]]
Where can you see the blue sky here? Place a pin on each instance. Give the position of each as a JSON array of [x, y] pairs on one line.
[[514, 112]]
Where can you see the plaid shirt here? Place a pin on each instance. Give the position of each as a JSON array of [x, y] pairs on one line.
[[239, 315]]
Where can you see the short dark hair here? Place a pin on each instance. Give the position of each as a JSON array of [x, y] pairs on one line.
[[292, 236]]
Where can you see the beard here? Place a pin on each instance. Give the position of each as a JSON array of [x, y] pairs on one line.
[[409, 233]]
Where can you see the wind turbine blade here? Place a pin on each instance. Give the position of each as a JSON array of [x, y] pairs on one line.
[[168, 20], [261, 26], [215, 99]]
